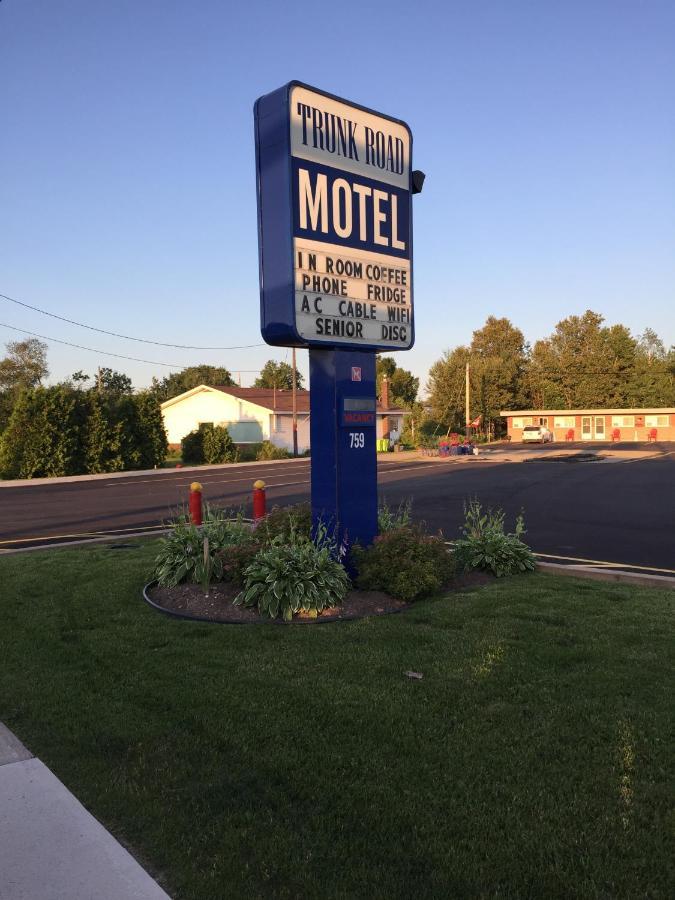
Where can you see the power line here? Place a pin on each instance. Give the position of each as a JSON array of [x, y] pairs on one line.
[[93, 349], [126, 337]]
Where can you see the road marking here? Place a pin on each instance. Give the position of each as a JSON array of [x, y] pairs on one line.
[[79, 534], [606, 564]]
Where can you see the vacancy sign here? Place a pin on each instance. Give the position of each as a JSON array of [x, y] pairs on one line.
[[342, 202]]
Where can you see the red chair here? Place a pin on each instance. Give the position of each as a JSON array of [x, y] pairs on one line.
[[570, 434], [616, 434], [652, 434]]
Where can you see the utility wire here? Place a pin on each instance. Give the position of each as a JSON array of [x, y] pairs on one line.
[[93, 349], [125, 336]]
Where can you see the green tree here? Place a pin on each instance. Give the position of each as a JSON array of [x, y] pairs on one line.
[[102, 437], [44, 435], [179, 382], [403, 386], [278, 375], [152, 439], [586, 364], [497, 358], [445, 388], [24, 367]]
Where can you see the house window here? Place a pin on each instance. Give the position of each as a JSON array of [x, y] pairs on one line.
[[205, 424], [278, 423], [563, 422], [623, 421], [656, 421]]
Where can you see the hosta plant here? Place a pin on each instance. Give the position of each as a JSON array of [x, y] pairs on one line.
[[284, 579], [485, 545], [195, 554]]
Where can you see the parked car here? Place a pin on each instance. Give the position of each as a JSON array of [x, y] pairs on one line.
[[537, 433]]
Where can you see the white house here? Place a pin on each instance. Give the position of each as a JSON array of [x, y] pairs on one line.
[[252, 415]]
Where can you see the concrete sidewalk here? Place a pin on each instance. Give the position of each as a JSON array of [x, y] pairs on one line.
[[51, 848]]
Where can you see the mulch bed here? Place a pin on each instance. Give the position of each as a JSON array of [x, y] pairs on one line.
[[189, 600]]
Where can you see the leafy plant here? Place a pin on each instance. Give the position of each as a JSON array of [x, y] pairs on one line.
[[236, 559], [208, 445], [195, 553], [286, 578], [405, 562], [287, 524], [487, 546], [218, 445], [388, 519], [268, 450]]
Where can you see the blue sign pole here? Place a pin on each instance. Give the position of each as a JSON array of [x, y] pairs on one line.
[[335, 183], [343, 433]]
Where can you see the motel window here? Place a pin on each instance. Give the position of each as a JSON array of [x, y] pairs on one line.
[[521, 422], [656, 421], [623, 421], [563, 422]]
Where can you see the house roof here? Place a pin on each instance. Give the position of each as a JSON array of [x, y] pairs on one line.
[[279, 401], [583, 412]]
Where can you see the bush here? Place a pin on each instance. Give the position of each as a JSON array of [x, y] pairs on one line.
[[486, 546], [236, 559], [218, 445], [286, 524], [208, 445], [268, 450], [286, 578], [184, 556], [404, 562], [247, 452], [192, 448]]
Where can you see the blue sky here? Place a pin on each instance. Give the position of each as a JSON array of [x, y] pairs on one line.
[[127, 188]]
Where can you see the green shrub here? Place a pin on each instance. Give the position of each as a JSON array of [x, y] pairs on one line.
[[183, 555], [286, 524], [218, 445], [247, 452], [268, 450], [208, 445], [286, 578], [404, 562], [388, 519], [192, 448], [236, 559], [487, 546]]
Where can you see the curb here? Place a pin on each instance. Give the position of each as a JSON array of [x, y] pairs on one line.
[[594, 573]]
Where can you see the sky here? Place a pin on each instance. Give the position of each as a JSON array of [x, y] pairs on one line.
[[127, 172]]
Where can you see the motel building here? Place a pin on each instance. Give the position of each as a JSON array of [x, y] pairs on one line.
[[253, 415], [633, 425]]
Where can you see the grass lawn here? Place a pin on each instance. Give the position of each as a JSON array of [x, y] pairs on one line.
[[532, 760]]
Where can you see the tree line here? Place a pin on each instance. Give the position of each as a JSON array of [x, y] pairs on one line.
[[582, 364], [90, 424], [80, 426]]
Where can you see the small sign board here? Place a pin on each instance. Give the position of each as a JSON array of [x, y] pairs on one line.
[[356, 373], [335, 222], [358, 411]]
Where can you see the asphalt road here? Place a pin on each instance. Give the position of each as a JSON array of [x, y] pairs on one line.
[[616, 510]]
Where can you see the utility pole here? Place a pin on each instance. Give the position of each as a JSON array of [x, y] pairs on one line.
[[467, 400], [295, 408]]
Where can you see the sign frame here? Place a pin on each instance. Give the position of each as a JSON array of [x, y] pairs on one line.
[[276, 234]]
